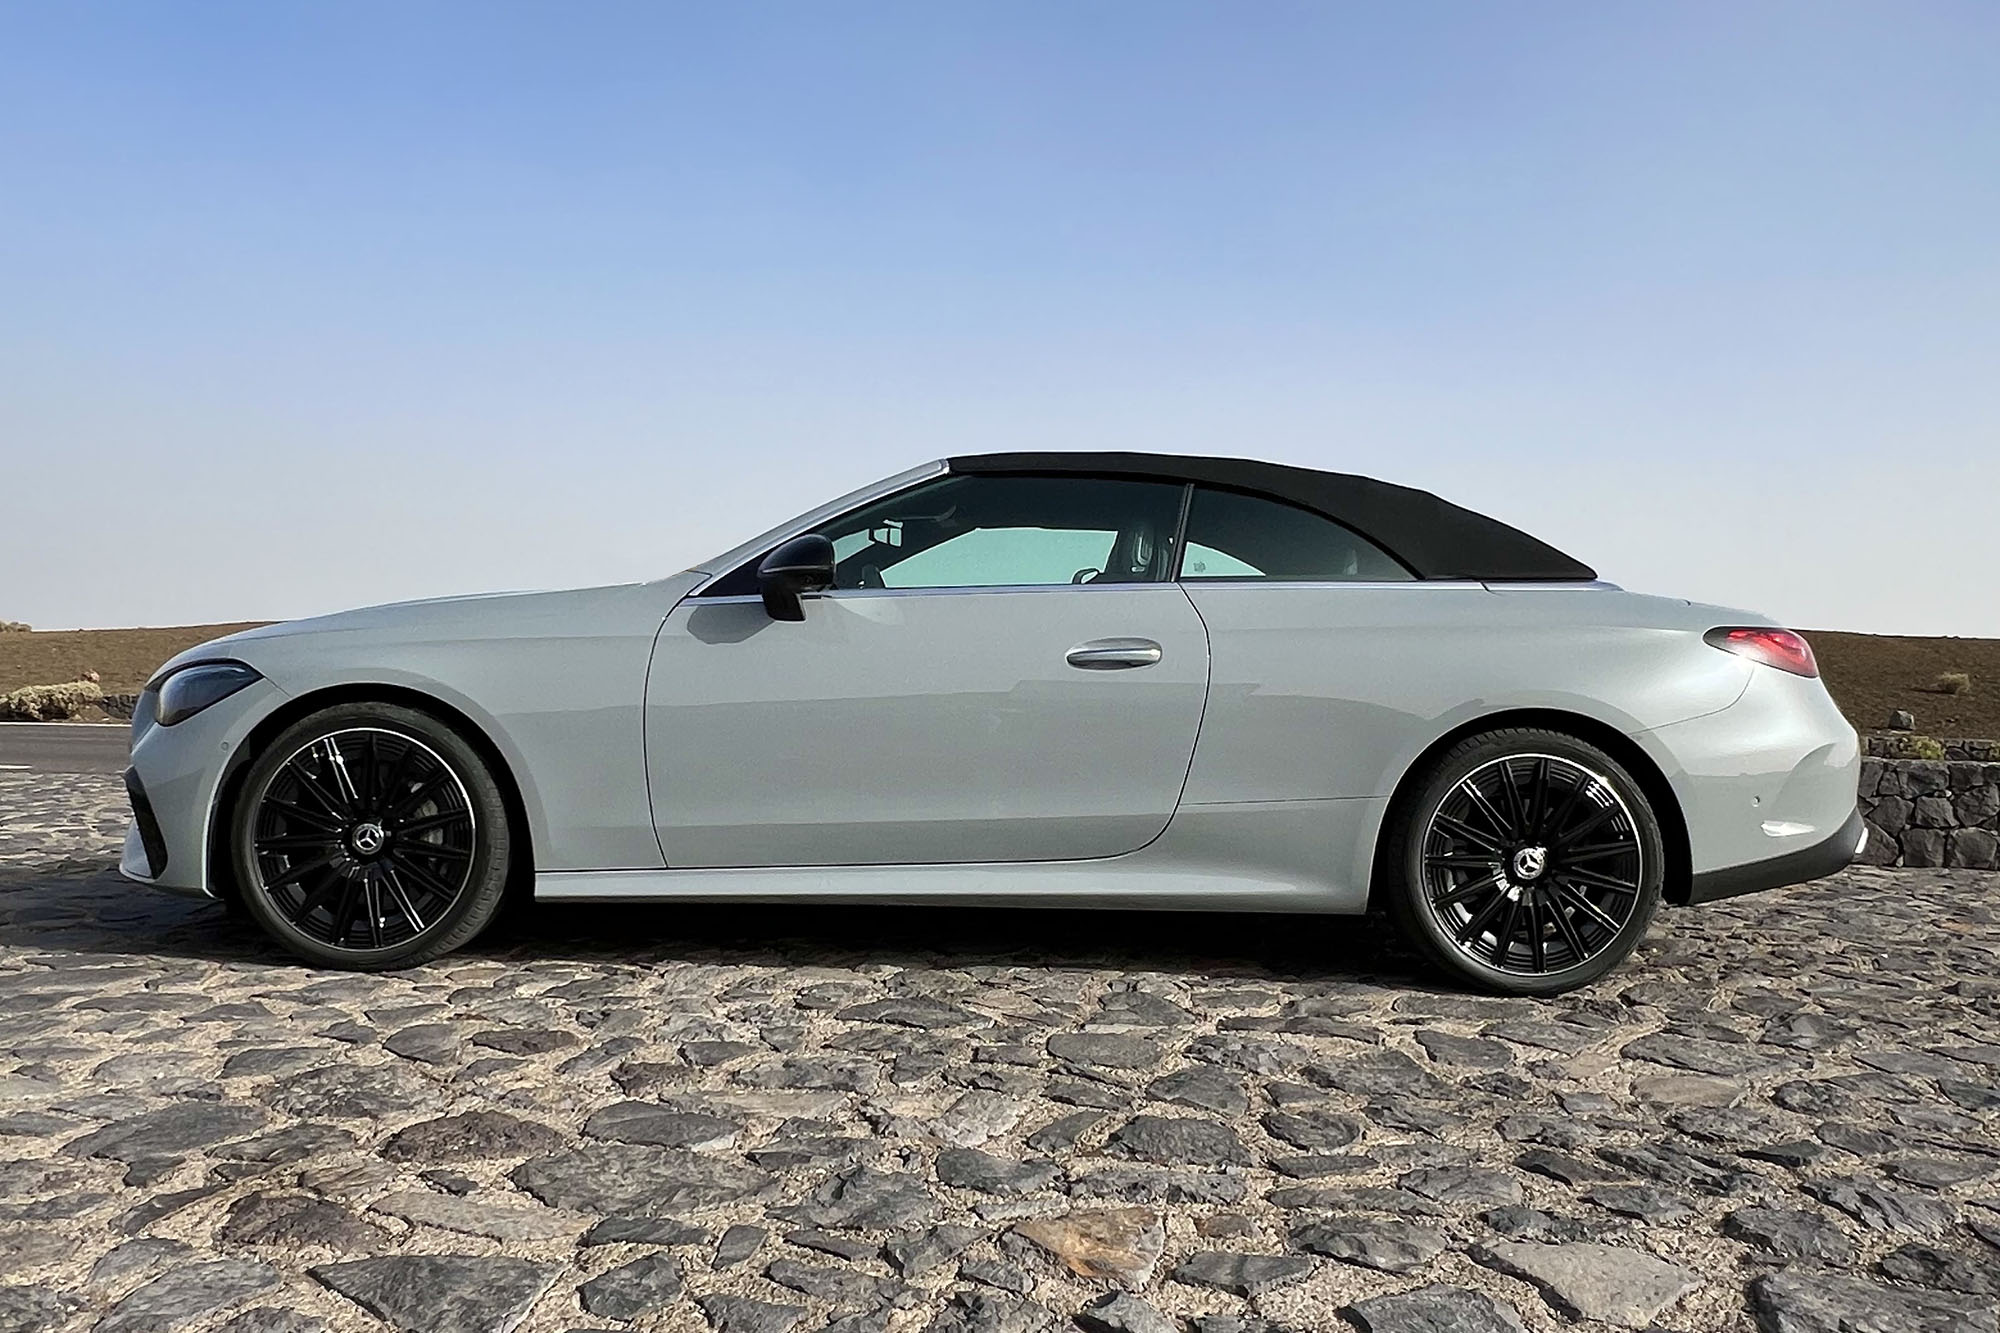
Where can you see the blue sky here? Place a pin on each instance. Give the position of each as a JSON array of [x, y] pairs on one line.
[[311, 306]]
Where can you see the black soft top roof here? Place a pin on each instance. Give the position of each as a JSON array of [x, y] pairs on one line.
[[1435, 538]]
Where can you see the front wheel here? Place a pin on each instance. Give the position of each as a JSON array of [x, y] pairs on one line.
[[1528, 862], [370, 836]]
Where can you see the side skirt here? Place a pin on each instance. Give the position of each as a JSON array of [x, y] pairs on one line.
[[1291, 856]]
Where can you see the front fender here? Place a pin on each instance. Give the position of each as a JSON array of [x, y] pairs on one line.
[[339, 684]]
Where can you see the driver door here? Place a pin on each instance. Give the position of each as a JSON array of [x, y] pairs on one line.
[[1000, 673]]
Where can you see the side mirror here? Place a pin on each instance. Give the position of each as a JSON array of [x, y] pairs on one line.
[[803, 564]]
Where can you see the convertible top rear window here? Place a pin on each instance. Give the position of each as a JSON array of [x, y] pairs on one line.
[[1235, 536]]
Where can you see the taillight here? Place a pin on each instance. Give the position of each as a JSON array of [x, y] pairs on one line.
[[1773, 647]]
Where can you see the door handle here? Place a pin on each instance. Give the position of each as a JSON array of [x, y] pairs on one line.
[[1113, 654]]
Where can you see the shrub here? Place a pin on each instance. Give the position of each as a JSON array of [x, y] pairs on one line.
[[14, 627], [1952, 682], [49, 703], [1907, 745]]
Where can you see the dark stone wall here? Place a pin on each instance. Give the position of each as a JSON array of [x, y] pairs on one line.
[[1932, 812]]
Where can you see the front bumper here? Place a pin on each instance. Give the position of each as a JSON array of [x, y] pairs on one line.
[[176, 776], [1830, 857], [145, 846]]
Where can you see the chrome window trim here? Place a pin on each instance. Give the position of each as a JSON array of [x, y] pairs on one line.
[[844, 594], [1551, 585], [1247, 582]]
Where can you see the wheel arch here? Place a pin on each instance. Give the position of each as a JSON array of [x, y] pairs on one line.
[[1628, 752], [221, 874]]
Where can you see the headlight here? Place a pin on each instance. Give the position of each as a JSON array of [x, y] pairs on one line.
[[194, 688]]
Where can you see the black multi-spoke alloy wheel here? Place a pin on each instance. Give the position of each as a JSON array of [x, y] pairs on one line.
[[1530, 862], [370, 836]]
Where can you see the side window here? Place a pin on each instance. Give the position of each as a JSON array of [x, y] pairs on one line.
[[1000, 531], [1236, 536]]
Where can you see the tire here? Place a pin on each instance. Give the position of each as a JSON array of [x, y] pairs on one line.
[[1525, 861], [368, 837]]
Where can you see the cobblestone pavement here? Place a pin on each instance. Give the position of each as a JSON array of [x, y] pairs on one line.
[[1785, 1112]]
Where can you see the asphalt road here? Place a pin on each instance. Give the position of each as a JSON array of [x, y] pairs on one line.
[[63, 747]]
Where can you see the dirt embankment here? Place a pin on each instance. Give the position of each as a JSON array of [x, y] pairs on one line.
[[1871, 675], [122, 658]]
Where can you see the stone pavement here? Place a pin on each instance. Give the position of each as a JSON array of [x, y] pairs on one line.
[[1783, 1113]]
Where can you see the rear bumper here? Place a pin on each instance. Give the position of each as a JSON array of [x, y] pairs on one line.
[[1825, 858], [1767, 788]]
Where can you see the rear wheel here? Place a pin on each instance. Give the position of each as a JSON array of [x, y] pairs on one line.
[[1528, 862], [370, 836]]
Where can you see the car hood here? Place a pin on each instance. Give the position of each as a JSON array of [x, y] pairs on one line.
[[494, 615]]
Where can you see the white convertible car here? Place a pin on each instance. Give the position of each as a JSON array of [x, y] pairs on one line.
[[1075, 680]]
